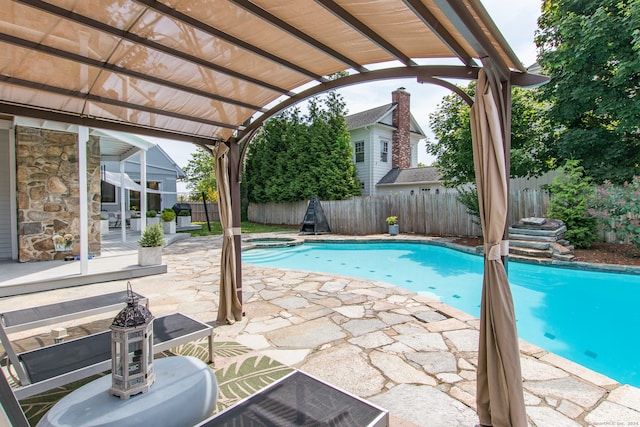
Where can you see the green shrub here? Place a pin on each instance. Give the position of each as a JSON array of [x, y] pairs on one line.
[[168, 215], [571, 196], [618, 209], [152, 236], [469, 198], [151, 214], [392, 220], [184, 212]]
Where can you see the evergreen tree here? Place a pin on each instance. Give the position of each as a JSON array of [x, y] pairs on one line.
[[294, 157]]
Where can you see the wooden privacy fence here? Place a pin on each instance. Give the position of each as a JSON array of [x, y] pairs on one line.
[[197, 212], [439, 214]]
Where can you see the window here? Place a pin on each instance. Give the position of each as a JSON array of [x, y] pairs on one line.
[[108, 192], [153, 199], [359, 150], [384, 151]]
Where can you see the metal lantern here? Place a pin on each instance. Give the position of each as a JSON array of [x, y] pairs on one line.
[[132, 349]]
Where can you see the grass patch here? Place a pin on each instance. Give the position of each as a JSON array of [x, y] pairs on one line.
[[245, 227]]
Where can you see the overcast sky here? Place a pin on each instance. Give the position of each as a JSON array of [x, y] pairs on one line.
[[516, 19]]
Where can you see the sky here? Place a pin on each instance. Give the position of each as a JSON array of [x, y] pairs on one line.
[[516, 19]]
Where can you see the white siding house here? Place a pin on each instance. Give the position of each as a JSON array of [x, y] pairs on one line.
[[384, 138]]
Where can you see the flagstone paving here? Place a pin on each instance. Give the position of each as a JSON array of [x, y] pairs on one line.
[[407, 353]]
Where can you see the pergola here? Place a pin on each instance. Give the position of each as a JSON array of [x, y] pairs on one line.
[[210, 72]]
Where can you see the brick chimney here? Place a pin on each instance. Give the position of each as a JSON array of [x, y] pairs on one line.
[[401, 141]]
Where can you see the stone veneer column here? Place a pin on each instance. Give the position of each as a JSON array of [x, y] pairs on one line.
[[401, 140], [48, 196]]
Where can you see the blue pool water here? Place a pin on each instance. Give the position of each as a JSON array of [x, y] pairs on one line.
[[589, 317]]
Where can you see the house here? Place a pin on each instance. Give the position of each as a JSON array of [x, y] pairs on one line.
[[162, 175], [391, 128], [385, 141], [42, 166]]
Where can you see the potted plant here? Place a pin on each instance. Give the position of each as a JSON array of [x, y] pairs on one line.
[[135, 223], [152, 218], [394, 228], [168, 217], [184, 218], [150, 246], [104, 222], [63, 242]]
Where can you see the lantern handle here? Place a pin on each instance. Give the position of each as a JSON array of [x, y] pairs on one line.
[[131, 298]]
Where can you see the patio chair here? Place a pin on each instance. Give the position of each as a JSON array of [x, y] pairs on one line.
[[63, 363], [12, 409], [51, 314]]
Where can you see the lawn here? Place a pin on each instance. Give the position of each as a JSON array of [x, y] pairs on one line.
[[246, 227]]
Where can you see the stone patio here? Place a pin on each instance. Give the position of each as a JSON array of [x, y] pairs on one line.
[[407, 353]]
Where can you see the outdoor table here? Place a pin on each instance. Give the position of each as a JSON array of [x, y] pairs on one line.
[[184, 393], [299, 399]]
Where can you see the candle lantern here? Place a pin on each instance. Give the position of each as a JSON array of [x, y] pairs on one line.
[[132, 349]]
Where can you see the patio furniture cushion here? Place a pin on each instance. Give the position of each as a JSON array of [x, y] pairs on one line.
[[28, 318]]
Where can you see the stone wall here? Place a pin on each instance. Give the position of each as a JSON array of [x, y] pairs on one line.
[[48, 192]]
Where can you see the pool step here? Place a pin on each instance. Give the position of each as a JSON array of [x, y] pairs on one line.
[[529, 252], [539, 238]]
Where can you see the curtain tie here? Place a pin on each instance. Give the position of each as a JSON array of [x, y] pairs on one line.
[[493, 251], [232, 231]]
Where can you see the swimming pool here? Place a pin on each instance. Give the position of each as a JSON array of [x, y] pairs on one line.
[[588, 317]]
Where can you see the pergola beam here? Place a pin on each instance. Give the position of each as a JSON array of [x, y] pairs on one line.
[[28, 44], [168, 11], [122, 104], [92, 122], [464, 22], [293, 31], [133, 38], [363, 29], [436, 27]]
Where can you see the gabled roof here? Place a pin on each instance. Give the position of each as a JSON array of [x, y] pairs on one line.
[[423, 175], [368, 117], [179, 172], [376, 115]]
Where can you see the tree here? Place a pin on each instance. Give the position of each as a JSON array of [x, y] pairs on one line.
[[201, 175], [294, 157], [450, 123], [591, 51], [571, 196]]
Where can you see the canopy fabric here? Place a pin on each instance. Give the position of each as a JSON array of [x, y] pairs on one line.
[[229, 306], [114, 178], [499, 396], [198, 70]]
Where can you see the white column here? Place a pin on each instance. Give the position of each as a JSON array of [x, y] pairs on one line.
[[143, 193], [83, 137], [123, 217]]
